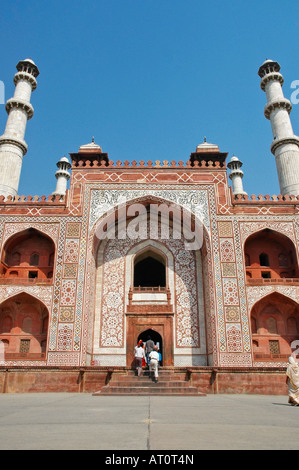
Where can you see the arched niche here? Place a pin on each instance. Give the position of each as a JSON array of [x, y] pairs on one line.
[[270, 255], [149, 270], [274, 327], [27, 257], [24, 327]]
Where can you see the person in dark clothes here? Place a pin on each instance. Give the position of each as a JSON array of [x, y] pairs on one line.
[[149, 347]]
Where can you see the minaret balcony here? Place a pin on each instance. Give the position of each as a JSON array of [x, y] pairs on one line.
[[22, 75], [284, 141], [17, 103], [281, 103], [273, 76]]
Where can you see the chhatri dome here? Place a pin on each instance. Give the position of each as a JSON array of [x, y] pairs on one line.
[[91, 146]]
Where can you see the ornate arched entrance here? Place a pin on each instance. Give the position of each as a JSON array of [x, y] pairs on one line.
[[172, 303], [150, 308], [161, 331], [155, 337]]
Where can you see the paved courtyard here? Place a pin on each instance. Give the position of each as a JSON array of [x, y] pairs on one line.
[[82, 421]]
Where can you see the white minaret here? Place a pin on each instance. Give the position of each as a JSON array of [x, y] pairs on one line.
[[285, 145], [236, 175], [12, 144], [62, 175]]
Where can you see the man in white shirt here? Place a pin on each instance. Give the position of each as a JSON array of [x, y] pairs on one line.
[[154, 362], [139, 355]]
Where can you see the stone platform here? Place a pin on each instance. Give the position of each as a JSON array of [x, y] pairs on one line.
[[184, 380]]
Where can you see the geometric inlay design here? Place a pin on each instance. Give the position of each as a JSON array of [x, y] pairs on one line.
[[227, 250], [234, 339], [66, 314], [228, 270], [71, 251], [70, 271], [73, 230], [232, 313], [231, 293], [225, 229], [68, 291]]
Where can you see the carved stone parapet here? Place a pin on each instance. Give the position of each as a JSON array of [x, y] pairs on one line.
[[282, 103], [52, 199], [27, 107], [25, 76], [265, 200], [274, 76]]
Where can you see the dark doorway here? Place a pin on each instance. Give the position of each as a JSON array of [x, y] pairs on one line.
[[156, 337], [149, 272]]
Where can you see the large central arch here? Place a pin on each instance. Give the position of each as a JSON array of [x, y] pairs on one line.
[[112, 259]]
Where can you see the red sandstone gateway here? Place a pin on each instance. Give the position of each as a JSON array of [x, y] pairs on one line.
[[73, 305]]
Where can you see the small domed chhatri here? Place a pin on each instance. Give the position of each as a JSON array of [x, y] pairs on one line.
[[236, 175], [91, 146], [62, 176]]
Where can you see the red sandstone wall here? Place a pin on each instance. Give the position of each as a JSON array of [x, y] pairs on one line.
[[90, 380], [272, 382], [22, 380]]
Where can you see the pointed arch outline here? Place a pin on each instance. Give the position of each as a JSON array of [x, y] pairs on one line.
[[20, 291], [11, 230], [14, 236], [144, 200], [279, 316], [160, 248], [282, 237], [209, 294], [274, 291], [8, 292]]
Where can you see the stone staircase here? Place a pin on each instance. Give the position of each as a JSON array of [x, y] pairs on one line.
[[171, 382]]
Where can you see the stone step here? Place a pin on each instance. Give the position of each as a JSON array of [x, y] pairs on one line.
[[169, 383], [158, 390], [128, 378], [148, 383], [162, 373]]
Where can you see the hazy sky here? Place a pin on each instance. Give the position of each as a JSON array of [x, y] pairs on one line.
[[149, 79]]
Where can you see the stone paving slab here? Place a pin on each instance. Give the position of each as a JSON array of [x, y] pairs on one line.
[[82, 421]]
